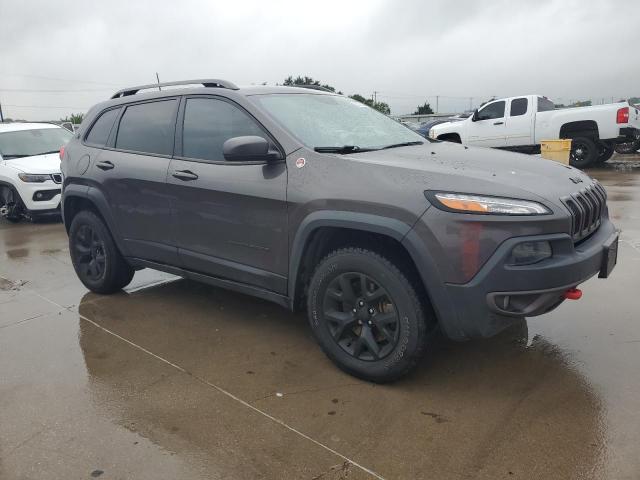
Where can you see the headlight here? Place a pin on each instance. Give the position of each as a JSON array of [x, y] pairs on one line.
[[33, 178], [466, 203]]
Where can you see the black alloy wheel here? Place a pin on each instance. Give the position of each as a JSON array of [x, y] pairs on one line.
[[361, 316]]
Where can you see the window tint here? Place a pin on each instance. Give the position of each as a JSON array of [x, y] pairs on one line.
[[545, 105], [148, 128], [518, 106], [208, 123], [102, 128], [491, 111]]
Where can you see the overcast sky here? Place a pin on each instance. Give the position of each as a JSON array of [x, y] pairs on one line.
[[409, 51]]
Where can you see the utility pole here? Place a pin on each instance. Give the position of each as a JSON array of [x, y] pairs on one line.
[[1, 117], [158, 79], [437, 103], [375, 96]]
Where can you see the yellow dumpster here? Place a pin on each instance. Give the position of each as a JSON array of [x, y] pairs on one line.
[[557, 150]]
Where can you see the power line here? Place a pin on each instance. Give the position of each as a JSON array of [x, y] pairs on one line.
[[30, 90], [74, 80], [44, 106]]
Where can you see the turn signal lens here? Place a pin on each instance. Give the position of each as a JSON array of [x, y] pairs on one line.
[[61, 152], [489, 205]]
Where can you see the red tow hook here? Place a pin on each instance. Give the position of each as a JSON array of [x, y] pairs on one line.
[[573, 294]]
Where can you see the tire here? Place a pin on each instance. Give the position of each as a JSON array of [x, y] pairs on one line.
[[605, 152], [379, 335], [11, 201], [95, 257], [583, 152]]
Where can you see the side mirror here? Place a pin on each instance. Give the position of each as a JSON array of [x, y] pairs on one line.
[[249, 148], [474, 117]]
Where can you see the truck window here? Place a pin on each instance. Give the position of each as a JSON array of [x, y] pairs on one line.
[[545, 105], [492, 111], [519, 106]]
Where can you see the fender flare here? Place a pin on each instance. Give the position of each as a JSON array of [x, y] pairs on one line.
[[97, 198], [425, 264]]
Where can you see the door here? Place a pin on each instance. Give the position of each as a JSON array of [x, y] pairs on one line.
[[229, 217], [519, 123], [132, 173], [487, 127]]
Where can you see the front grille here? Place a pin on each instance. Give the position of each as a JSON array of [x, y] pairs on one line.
[[57, 177], [587, 207]]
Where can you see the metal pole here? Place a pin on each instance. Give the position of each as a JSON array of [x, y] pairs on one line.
[[1, 117], [437, 103], [158, 78]]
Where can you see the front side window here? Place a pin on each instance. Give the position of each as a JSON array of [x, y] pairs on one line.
[[519, 106], [148, 128], [545, 105], [319, 120], [492, 111], [28, 143], [101, 129], [208, 123]]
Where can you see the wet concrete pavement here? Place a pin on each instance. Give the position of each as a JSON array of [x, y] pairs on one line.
[[172, 379]]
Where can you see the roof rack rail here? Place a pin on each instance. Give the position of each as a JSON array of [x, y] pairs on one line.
[[209, 82], [314, 87]]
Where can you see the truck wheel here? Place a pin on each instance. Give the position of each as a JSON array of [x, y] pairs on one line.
[[366, 315], [583, 152], [605, 152], [95, 257]]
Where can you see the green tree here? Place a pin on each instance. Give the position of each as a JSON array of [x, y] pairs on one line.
[[423, 109], [581, 103], [291, 82], [75, 118], [380, 106]]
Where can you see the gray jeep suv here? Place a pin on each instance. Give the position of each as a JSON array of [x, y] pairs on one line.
[[313, 200]]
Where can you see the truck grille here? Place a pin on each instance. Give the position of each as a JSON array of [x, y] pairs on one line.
[[587, 207], [57, 178]]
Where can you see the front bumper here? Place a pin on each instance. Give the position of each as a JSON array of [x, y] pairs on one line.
[[50, 194], [500, 293]]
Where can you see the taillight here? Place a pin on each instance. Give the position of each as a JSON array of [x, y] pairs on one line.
[[62, 152], [623, 115]]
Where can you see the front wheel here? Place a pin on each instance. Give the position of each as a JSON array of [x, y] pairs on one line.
[[366, 315], [95, 257], [584, 152]]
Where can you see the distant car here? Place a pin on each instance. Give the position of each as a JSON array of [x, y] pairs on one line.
[[30, 178], [424, 127]]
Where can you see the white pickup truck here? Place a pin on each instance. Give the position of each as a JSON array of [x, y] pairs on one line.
[[521, 123]]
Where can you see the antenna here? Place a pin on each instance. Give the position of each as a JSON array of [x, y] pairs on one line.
[[158, 79]]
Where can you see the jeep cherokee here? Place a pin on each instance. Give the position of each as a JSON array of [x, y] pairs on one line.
[[311, 199]]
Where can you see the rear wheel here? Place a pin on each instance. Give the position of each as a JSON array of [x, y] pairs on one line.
[[11, 206], [95, 257], [366, 315], [583, 152]]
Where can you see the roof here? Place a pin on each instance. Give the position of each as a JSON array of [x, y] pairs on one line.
[[17, 126]]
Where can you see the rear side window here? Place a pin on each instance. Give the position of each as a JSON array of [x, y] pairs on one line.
[[518, 106], [492, 111], [545, 105], [208, 123], [101, 129], [148, 128]]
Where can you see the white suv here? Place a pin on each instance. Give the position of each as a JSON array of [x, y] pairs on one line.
[[30, 169]]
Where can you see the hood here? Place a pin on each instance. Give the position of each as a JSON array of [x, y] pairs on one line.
[[454, 167], [49, 163]]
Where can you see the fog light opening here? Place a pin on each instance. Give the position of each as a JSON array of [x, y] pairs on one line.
[[528, 253]]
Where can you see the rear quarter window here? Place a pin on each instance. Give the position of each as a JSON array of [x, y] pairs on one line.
[[518, 106], [148, 127], [99, 133]]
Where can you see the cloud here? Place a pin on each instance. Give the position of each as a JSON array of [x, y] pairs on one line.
[[408, 51]]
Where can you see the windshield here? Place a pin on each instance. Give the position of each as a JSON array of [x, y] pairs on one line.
[[26, 143], [320, 121]]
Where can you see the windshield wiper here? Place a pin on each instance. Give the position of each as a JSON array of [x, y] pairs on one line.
[[7, 156], [403, 144], [343, 149], [47, 153]]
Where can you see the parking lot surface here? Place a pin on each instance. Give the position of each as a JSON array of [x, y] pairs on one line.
[[177, 380]]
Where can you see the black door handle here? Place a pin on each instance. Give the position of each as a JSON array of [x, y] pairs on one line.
[[185, 175], [498, 123], [105, 165]]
